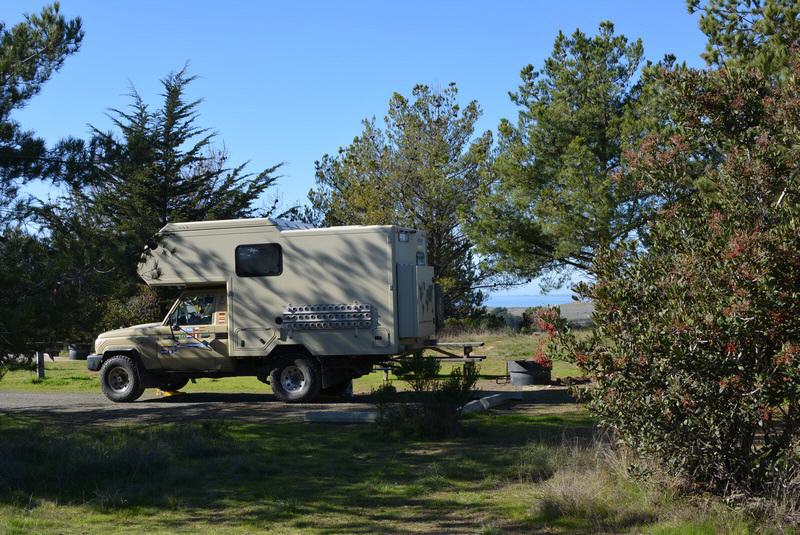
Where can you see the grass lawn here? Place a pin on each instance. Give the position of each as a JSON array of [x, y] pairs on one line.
[[534, 469], [513, 473], [72, 376]]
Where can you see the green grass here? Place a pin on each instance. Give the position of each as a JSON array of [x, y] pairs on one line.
[[72, 376], [503, 346], [532, 470], [517, 474], [60, 376]]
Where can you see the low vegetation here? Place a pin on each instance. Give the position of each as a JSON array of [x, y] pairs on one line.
[[436, 401], [512, 473], [537, 468]]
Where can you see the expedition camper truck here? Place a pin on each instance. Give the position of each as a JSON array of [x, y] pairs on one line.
[[304, 309]]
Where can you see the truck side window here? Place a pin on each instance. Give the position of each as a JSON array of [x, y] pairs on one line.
[[194, 310], [259, 260]]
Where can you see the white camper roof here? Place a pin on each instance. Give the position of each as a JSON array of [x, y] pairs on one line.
[[283, 225], [280, 223]]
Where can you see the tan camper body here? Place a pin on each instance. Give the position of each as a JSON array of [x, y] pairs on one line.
[[281, 301], [359, 290]]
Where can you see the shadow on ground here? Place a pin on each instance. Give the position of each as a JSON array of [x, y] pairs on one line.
[[94, 409], [356, 479]]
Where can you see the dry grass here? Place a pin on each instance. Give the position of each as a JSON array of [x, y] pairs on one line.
[[782, 502], [593, 491], [462, 334], [602, 489]]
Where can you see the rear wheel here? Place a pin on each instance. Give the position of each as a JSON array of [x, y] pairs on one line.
[[296, 380], [120, 380]]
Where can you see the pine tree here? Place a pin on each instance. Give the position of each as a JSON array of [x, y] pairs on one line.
[[557, 194], [162, 167], [422, 171], [749, 33], [30, 53], [156, 166]]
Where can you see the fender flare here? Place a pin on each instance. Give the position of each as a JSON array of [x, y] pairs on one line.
[[123, 350], [114, 350]]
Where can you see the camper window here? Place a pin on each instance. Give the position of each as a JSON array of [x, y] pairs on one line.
[[260, 260]]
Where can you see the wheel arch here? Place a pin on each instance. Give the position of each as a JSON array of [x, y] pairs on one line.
[[286, 350], [131, 352], [333, 369]]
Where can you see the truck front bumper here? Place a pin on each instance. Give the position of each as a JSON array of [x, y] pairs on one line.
[[94, 362]]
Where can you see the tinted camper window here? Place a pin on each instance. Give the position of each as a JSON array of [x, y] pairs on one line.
[[261, 260]]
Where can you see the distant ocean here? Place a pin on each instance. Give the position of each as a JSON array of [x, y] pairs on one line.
[[531, 300]]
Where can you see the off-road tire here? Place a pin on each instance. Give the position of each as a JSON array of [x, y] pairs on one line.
[[296, 380], [171, 385], [339, 389], [120, 379]]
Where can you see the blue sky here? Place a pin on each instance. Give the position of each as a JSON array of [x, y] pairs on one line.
[[291, 81]]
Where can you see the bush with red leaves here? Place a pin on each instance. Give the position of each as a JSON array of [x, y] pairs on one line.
[[696, 352]]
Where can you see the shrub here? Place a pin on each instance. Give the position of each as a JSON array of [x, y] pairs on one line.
[[542, 319], [549, 322], [527, 323], [384, 396], [437, 402], [442, 404], [418, 371], [17, 361], [696, 353], [541, 358]]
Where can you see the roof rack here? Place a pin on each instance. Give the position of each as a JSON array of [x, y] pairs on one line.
[[286, 224]]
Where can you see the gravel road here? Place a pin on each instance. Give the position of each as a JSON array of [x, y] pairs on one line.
[[87, 409], [95, 408]]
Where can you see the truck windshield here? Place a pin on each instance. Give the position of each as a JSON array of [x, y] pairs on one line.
[[194, 310]]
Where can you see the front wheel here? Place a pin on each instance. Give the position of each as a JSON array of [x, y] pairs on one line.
[[120, 380], [296, 380]]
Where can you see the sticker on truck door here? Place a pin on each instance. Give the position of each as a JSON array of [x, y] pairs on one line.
[[169, 345]]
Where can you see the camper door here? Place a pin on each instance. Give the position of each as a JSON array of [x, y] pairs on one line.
[[252, 315]]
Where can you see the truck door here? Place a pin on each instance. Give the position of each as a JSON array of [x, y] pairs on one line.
[[200, 337]]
